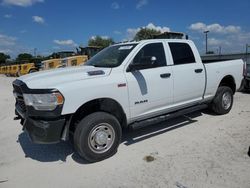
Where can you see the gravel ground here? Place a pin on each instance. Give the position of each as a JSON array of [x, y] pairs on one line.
[[198, 150]]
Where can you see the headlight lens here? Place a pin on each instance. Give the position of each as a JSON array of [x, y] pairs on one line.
[[44, 102]]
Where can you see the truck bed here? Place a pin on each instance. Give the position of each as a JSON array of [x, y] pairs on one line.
[[217, 70]]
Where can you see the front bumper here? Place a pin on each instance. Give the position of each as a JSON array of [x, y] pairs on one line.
[[41, 131]]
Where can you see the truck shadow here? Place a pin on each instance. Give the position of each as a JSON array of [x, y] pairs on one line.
[[135, 136], [44, 152], [60, 151], [245, 91]]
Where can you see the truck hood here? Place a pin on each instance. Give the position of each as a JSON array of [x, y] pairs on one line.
[[51, 78]]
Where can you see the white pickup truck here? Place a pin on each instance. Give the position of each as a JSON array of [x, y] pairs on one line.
[[125, 85]]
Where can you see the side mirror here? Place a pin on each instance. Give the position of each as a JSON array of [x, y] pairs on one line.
[[143, 63]]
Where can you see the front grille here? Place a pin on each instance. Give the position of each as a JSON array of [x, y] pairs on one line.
[[21, 104], [17, 89], [19, 98]]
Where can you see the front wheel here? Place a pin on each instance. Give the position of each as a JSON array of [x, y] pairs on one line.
[[32, 70], [223, 100], [97, 136]]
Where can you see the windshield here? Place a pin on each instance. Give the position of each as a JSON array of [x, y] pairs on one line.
[[112, 56]]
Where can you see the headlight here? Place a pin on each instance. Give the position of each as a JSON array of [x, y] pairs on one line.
[[43, 102]]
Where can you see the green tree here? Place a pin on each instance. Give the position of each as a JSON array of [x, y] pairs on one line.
[[24, 57], [3, 57], [100, 42], [146, 33]]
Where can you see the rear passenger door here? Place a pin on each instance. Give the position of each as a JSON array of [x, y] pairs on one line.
[[188, 74]]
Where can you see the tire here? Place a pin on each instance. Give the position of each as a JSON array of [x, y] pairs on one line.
[[223, 100], [97, 136], [32, 70]]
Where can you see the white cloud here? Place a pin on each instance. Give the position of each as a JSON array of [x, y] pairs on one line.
[[56, 48], [158, 28], [117, 32], [21, 3], [243, 37], [115, 5], [141, 3], [215, 28], [199, 26], [131, 32], [6, 51], [7, 16], [11, 46], [68, 42], [230, 38], [38, 19], [23, 31], [233, 29], [103, 37], [227, 45], [215, 42], [7, 43], [7, 40]]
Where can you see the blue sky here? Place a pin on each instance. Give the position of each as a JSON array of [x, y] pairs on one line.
[[53, 25]]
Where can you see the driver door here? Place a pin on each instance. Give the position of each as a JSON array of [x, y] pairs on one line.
[[150, 84]]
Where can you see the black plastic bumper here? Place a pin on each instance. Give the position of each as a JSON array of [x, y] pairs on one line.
[[42, 132]]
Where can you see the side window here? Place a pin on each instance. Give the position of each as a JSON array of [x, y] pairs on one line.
[[182, 53], [155, 52]]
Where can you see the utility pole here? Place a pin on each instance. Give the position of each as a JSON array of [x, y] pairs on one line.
[[219, 50], [35, 49], [206, 39]]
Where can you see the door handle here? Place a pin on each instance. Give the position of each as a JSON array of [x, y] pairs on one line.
[[198, 70], [165, 75]]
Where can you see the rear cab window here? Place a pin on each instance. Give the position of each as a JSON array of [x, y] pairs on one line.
[[181, 53]]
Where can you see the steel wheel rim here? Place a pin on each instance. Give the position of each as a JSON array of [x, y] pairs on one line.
[[226, 100], [101, 138]]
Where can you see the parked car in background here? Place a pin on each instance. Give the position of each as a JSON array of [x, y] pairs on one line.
[[51, 64], [74, 60], [27, 68], [14, 70]]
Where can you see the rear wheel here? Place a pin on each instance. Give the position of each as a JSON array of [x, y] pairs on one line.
[[32, 70], [97, 136], [223, 100]]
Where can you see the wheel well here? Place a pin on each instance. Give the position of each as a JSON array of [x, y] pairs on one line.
[[33, 70], [229, 82], [103, 104]]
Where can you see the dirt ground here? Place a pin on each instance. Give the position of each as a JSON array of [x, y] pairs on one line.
[[200, 150]]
